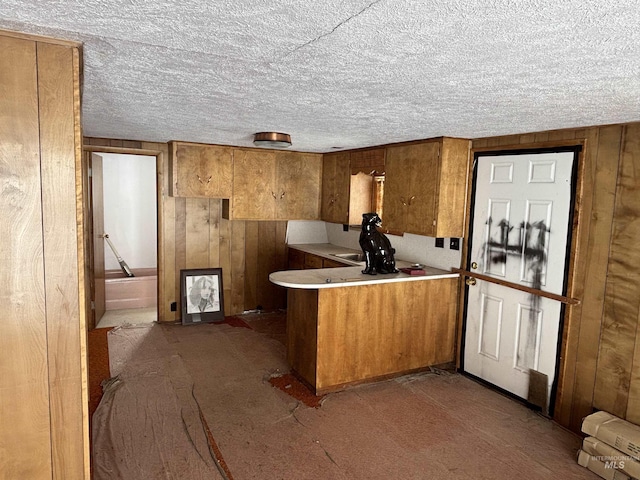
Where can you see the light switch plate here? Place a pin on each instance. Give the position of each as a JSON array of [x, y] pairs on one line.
[[454, 244], [439, 242]]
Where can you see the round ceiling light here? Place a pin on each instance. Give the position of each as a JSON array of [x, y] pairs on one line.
[[272, 139]]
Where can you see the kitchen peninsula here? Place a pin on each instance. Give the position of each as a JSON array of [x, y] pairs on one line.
[[345, 327]]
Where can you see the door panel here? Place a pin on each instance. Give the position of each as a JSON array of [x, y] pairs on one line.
[[520, 228], [514, 332]]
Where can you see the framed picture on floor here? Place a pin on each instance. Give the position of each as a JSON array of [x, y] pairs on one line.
[[201, 295]]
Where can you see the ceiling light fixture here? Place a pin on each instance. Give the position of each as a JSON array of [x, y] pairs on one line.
[[272, 139]]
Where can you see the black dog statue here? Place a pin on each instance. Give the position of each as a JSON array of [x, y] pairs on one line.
[[377, 249]]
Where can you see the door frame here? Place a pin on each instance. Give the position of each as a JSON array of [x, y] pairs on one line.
[[88, 150], [578, 147]]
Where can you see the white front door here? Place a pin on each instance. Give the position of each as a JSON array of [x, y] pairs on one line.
[[520, 230]]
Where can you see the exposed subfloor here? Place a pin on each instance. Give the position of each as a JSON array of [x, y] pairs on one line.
[[128, 316], [426, 426]]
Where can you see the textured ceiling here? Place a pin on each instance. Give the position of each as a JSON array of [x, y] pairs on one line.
[[344, 74]]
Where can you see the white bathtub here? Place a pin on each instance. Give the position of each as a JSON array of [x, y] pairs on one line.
[[140, 291]]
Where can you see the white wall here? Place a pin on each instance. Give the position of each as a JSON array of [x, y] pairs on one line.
[[306, 231], [409, 247], [130, 216]]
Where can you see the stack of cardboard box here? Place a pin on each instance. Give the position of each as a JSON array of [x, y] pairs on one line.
[[612, 449]]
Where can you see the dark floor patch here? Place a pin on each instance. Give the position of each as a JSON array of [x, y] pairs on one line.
[[236, 322], [293, 387]]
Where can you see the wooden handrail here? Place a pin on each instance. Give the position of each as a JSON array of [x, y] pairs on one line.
[[522, 288]]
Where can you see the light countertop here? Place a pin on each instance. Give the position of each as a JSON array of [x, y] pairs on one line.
[[327, 250], [346, 276]]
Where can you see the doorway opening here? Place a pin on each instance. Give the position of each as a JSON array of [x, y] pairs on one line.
[[125, 242]]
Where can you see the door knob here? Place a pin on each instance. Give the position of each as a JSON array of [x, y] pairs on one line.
[[474, 265], [470, 281]]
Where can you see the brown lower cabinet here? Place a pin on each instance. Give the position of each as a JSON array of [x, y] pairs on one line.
[[345, 335], [299, 260]]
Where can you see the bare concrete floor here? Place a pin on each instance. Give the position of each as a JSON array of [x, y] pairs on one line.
[[426, 426]]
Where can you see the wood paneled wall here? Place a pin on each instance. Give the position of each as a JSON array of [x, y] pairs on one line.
[[193, 234], [43, 378], [600, 363]]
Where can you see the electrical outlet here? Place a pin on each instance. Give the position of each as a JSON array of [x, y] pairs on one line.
[[174, 306], [454, 244], [439, 242]]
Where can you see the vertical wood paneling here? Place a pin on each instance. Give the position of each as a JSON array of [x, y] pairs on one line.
[[571, 332], [180, 247], [633, 406], [595, 253], [237, 266], [252, 248], [527, 138], [267, 262], [58, 180], [44, 416], [281, 246], [83, 259], [25, 440], [166, 209], [622, 297], [215, 213], [197, 233], [559, 135], [302, 340], [541, 137], [225, 264], [272, 236]]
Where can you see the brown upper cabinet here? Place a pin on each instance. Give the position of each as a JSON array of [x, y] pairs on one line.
[[350, 186], [335, 187], [425, 187], [274, 185], [200, 170]]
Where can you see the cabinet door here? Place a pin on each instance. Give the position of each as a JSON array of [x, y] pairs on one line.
[[326, 263], [454, 167], [399, 167], [421, 198], [296, 259], [335, 187], [425, 188], [312, 261], [298, 186], [200, 170], [254, 177]]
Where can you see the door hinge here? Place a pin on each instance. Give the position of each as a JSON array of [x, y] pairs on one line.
[[93, 305]]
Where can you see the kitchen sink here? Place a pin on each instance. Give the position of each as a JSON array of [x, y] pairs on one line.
[[354, 257]]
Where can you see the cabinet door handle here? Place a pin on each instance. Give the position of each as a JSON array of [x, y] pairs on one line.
[[274, 195], [282, 195], [411, 199], [402, 200], [200, 179]]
